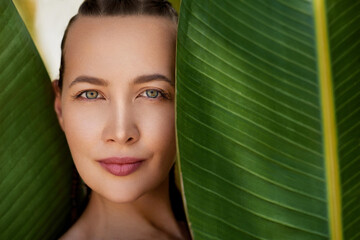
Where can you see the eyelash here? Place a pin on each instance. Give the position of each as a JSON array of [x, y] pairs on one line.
[[79, 95], [161, 95]]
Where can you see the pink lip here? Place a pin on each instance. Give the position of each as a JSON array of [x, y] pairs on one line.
[[121, 166]]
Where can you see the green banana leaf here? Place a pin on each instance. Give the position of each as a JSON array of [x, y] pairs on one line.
[[35, 164], [268, 118]]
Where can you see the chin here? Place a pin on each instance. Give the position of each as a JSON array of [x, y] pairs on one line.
[[121, 196]]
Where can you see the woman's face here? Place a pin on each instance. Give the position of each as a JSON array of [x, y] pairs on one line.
[[117, 103]]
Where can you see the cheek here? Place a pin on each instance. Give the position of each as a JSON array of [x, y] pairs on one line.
[[81, 126], [158, 128]]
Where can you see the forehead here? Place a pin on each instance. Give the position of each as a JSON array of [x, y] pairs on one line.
[[133, 24], [123, 29], [121, 41]]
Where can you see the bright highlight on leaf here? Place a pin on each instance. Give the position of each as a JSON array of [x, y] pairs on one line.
[[254, 147], [329, 121]]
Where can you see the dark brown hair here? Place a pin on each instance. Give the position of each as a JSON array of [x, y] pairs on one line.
[[102, 8]]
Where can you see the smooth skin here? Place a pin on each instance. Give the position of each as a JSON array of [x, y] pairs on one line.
[[118, 101]]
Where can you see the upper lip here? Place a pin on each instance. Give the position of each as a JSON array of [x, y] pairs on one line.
[[120, 160]]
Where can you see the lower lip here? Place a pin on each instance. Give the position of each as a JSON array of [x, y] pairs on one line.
[[121, 169]]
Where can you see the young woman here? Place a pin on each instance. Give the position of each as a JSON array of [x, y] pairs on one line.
[[115, 103]]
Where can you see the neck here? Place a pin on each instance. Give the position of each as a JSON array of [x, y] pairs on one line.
[[150, 215]]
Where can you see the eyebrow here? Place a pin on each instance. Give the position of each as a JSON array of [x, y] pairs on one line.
[[138, 80], [91, 80], [152, 77]]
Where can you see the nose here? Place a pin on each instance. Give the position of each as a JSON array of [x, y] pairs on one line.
[[121, 126]]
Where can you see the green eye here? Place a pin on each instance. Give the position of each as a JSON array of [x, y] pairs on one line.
[[91, 94], [152, 93]]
